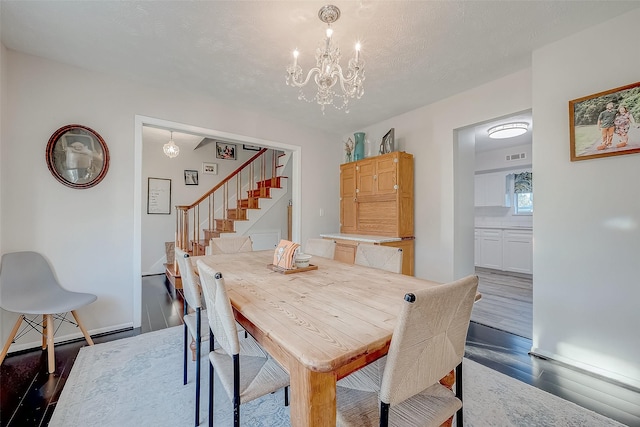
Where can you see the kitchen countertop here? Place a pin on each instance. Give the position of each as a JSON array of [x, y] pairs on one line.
[[362, 237]]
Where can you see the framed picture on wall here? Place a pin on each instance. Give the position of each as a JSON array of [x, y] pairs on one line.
[[225, 151], [159, 196], [250, 147], [77, 156], [210, 168], [191, 177], [605, 124]]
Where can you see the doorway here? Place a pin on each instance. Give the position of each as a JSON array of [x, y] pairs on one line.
[[139, 185], [490, 205]]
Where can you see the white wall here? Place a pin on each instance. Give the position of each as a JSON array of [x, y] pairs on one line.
[[89, 235], [587, 214], [428, 134]]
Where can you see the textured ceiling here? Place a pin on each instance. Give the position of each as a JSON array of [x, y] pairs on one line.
[[416, 52]]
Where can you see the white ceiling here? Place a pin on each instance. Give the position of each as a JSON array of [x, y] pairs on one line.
[[416, 52]]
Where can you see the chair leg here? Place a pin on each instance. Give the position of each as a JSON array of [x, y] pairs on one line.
[[12, 336], [286, 396], [236, 390], [51, 355], [44, 331], [210, 381], [198, 343], [82, 328], [459, 420], [184, 356]]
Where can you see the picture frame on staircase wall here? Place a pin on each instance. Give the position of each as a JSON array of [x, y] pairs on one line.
[[209, 168], [190, 177], [225, 151]]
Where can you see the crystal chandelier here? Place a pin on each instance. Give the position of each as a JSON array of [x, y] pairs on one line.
[[327, 74], [170, 149]]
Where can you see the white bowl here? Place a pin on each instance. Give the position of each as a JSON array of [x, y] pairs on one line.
[[302, 260]]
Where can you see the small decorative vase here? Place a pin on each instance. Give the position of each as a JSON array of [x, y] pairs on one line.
[[358, 149]]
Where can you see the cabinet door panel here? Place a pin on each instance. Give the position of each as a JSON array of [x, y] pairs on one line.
[[386, 179], [366, 171], [348, 203], [518, 252]]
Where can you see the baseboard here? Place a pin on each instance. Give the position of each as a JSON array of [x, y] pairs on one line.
[[69, 337], [603, 373]]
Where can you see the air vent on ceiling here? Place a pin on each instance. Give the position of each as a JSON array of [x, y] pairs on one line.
[[518, 156]]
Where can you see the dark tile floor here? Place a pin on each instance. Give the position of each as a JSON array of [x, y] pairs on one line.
[[28, 395]]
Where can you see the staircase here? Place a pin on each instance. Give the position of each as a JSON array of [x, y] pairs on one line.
[[230, 207]]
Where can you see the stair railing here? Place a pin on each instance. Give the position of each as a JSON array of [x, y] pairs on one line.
[[188, 225]]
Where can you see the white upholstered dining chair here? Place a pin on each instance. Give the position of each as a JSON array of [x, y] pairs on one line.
[[193, 318], [320, 247], [229, 245], [385, 258], [28, 286], [403, 388], [246, 371]]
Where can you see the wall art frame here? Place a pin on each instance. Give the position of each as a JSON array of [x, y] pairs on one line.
[[251, 147], [77, 156], [190, 177], [209, 168], [226, 151], [617, 109], [159, 196]]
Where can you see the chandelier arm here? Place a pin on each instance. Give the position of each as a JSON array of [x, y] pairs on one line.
[[296, 83]]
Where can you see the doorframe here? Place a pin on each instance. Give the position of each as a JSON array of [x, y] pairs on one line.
[[140, 122]]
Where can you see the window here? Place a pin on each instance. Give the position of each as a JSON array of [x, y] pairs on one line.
[[523, 193]]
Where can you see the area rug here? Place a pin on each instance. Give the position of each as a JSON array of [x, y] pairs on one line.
[[137, 381]]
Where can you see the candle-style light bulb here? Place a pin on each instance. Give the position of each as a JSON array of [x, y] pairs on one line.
[[357, 51], [295, 58]]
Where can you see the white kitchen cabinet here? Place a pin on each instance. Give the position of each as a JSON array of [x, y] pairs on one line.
[[491, 189], [489, 248], [506, 250], [517, 251]]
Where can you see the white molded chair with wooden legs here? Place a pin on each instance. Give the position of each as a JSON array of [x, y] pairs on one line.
[[229, 245], [325, 248], [193, 319], [245, 370], [403, 388], [385, 258], [28, 286]]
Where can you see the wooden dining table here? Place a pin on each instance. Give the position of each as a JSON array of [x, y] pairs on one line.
[[320, 325]]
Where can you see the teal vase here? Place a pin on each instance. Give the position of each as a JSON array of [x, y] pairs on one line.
[[358, 149]]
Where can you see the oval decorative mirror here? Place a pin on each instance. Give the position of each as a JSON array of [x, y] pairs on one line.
[[77, 156]]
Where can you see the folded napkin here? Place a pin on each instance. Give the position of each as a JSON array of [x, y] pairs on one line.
[[284, 256]]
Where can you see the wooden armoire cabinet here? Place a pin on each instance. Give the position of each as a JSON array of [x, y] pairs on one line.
[[376, 196]]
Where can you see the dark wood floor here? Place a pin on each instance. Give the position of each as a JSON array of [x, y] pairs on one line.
[[28, 395]]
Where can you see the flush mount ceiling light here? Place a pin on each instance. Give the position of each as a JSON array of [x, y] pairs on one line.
[[508, 130], [170, 149], [327, 74]]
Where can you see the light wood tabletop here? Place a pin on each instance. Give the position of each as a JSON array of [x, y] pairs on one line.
[[320, 325]]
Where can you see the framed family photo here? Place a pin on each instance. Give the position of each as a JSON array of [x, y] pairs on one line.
[[605, 124], [225, 151]]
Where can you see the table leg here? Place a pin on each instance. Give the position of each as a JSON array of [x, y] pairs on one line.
[[313, 397]]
